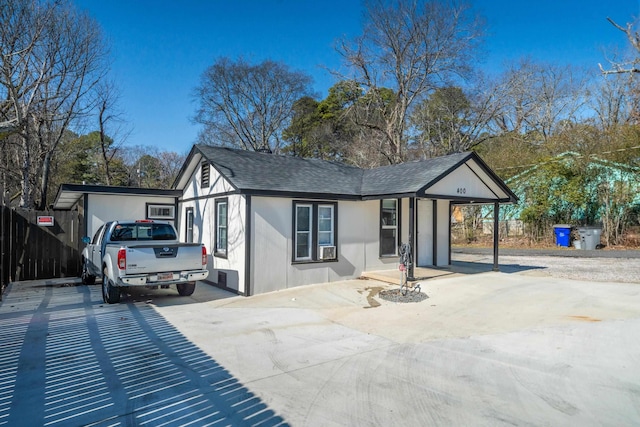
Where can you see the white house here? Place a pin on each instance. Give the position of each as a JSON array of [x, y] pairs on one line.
[[98, 204], [273, 222]]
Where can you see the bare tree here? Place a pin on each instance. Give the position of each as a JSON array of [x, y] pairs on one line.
[[536, 98], [630, 65], [248, 105], [112, 126], [410, 47], [51, 57]]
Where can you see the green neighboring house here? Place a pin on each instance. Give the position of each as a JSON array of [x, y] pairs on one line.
[[572, 188]]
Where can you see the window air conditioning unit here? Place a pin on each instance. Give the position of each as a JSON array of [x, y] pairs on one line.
[[326, 252]]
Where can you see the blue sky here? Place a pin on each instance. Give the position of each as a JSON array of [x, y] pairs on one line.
[[160, 48]]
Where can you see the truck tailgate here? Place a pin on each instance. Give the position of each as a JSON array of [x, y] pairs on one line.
[[156, 258]]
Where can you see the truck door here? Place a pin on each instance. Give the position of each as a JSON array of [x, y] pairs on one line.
[[94, 251]]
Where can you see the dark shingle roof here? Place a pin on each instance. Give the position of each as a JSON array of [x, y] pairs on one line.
[[263, 172], [249, 170], [409, 177]]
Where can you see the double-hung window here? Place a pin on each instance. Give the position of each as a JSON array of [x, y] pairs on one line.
[[389, 227], [314, 228], [221, 221]]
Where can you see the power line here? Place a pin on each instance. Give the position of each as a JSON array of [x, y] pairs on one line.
[[619, 150]]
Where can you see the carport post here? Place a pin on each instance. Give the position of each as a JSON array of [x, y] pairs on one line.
[[412, 220], [496, 227]]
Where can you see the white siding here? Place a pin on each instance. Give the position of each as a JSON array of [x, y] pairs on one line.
[[103, 208], [202, 200], [358, 245], [464, 182]]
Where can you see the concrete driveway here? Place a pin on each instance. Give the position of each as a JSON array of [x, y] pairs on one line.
[[513, 348]]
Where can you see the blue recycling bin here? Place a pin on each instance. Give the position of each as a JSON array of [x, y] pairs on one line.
[[563, 234]]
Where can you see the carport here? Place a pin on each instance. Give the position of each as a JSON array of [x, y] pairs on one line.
[[457, 179]]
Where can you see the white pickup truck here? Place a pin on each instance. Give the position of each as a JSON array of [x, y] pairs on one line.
[[141, 253]]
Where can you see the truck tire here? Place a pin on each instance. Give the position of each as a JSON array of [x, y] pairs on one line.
[[110, 293], [87, 279], [186, 289]]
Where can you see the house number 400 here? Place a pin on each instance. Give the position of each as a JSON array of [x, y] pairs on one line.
[[461, 190]]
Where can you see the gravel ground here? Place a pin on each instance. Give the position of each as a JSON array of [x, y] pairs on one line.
[[626, 270], [394, 295]]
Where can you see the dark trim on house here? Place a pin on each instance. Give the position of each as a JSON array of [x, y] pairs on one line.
[[209, 196], [216, 251], [496, 233], [463, 200], [110, 189], [248, 262], [449, 226], [398, 229], [412, 237], [301, 195], [85, 209], [389, 196], [434, 242]]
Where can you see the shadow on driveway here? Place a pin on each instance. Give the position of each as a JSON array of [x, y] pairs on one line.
[[68, 359]]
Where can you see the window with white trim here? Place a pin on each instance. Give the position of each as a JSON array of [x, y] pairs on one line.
[[164, 212], [189, 225], [314, 226], [304, 222], [221, 222], [389, 229]]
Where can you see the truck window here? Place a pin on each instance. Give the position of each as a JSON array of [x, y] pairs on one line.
[[163, 232], [146, 231]]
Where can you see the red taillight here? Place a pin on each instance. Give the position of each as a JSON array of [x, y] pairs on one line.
[[122, 259], [204, 255]]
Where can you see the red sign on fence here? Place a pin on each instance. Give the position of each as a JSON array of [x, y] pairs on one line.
[[45, 221]]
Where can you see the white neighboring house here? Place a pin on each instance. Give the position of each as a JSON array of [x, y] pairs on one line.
[[98, 204], [273, 222]]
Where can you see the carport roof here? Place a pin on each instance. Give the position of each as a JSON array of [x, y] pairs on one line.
[[269, 174], [69, 194]]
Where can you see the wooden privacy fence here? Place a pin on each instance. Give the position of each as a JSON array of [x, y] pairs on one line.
[[31, 251]]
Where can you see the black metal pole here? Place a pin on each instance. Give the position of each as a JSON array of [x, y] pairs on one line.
[[496, 228], [412, 221]]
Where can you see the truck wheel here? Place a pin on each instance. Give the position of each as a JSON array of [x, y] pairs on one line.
[[186, 289], [87, 279], [110, 293]]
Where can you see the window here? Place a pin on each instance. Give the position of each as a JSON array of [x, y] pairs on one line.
[[325, 225], [304, 219], [142, 231], [389, 227], [204, 175], [165, 212], [314, 226], [221, 227], [189, 225]]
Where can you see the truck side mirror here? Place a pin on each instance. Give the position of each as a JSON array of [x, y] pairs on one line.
[[86, 240]]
